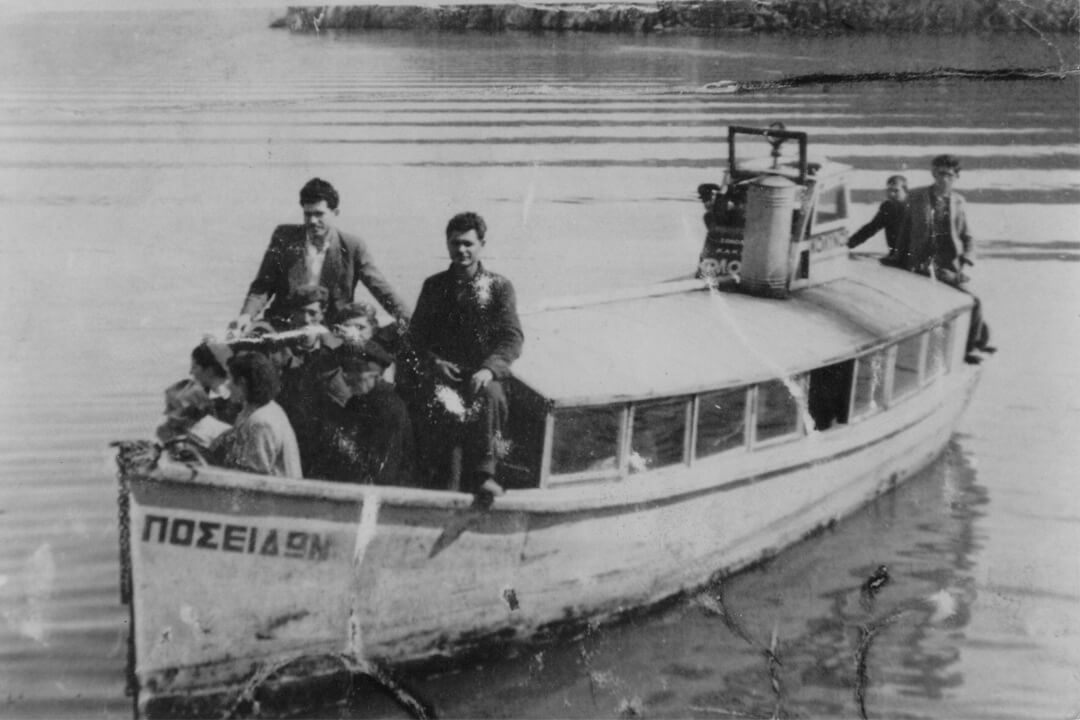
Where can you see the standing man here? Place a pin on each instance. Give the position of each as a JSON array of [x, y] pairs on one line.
[[935, 241], [465, 334], [315, 253]]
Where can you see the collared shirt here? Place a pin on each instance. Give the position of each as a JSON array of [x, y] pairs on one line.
[[314, 257]]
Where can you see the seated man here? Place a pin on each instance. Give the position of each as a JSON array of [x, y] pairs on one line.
[[368, 436], [935, 240], [262, 441], [463, 338]]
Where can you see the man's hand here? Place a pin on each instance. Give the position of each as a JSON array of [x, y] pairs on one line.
[[448, 370], [480, 379], [237, 327]]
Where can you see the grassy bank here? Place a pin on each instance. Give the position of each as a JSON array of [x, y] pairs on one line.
[[711, 16]]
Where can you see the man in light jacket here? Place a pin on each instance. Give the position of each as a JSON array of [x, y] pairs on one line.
[[935, 241], [315, 253]]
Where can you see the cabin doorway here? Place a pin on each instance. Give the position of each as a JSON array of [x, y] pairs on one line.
[[829, 396]]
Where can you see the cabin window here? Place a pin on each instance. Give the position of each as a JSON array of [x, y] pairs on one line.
[[937, 350], [869, 394], [721, 423], [777, 409], [585, 439], [829, 394], [906, 366], [831, 205], [659, 434]]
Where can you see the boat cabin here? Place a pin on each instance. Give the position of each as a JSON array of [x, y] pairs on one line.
[[685, 374]]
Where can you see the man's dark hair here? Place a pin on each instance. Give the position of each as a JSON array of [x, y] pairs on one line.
[[946, 161], [258, 374], [318, 189], [897, 180], [464, 222], [705, 191], [203, 356]]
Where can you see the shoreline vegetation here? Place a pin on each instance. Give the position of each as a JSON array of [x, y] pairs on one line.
[[704, 17]]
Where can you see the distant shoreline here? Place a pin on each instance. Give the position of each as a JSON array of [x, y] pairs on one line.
[[705, 17]]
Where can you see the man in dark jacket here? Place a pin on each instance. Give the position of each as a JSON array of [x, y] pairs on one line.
[[367, 435], [315, 253], [889, 217], [464, 336]]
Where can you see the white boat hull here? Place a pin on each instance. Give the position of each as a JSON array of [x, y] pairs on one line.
[[237, 575]]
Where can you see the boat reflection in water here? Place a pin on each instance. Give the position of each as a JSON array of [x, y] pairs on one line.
[[660, 439]]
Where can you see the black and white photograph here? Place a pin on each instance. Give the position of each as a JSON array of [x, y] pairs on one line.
[[697, 359]]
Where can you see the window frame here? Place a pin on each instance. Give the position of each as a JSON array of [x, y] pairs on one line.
[[747, 413], [549, 478], [824, 226], [800, 423], [688, 419], [894, 351], [948, 327], [855, 414]]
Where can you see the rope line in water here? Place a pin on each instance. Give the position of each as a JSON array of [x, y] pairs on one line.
[[826, 78]]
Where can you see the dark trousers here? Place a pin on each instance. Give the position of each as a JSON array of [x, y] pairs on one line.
[[979, 332], [462, 449]]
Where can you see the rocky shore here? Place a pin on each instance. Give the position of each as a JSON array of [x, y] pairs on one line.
[[709, 16]]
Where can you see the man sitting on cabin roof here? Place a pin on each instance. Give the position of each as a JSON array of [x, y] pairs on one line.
[[315, 253], [935, 240], [463, 338], [889, 217]]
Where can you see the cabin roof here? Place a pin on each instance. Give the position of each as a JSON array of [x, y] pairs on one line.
[[691, 339], [825, 169]]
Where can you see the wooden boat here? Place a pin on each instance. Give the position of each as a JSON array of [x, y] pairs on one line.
[[660, 438]]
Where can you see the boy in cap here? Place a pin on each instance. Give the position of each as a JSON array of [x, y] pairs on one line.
[[368, 437]]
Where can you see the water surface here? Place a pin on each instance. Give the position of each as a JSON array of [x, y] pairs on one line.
[[145, 158]]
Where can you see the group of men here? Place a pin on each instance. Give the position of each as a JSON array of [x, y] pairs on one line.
[[322, 391], [927, 233]]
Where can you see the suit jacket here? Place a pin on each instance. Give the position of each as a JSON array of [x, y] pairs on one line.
[[917, 233], [474, 324], [347, 262]]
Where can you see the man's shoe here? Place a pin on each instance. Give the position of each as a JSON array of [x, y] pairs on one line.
[[972, 359], [988, 349]]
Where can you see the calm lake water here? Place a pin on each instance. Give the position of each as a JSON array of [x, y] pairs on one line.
[[145, 157]]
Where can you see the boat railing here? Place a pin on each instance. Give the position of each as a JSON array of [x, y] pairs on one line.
[[673, 287]]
